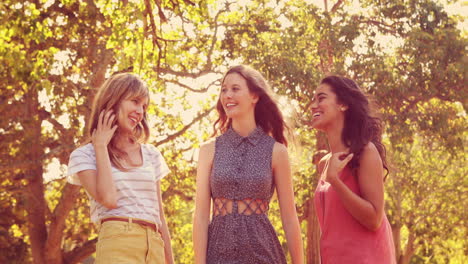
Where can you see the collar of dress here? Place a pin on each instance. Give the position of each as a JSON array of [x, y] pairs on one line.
[[236, 139]]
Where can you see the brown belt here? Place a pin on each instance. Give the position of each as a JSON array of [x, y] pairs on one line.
[[132, 220]]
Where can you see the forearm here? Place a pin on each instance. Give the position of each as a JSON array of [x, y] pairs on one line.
[[166, 236], [294, 239], [200, 240], [106, 193], [362, 210]]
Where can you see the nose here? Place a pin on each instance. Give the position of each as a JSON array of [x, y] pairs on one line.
[[140, 109], [313, 104], [227, 94]]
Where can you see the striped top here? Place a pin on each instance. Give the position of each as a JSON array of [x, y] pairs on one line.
[[136, 188]]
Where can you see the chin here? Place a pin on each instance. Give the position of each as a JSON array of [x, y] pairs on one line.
[[316, 126], [231, 114]]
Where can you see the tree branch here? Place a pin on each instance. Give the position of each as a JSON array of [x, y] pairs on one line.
[[28, 163], [192, 89], [381, 25], [67, 200], [185, 128], [172, 191], [184, 74], [70, 193], [149, 11], [336, 6], [214, 39], [80, 253]]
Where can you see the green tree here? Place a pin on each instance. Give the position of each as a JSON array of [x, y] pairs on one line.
[[55, 54], [298, 43]]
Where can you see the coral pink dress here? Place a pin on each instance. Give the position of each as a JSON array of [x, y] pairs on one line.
[[343, 238]]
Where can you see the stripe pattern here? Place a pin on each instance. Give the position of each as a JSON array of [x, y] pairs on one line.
[[136, 189]]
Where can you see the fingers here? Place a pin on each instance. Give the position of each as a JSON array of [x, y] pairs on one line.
[[105, 119], [341, 155], [101, 116], [347, 159], [343, 158], [109, 118]]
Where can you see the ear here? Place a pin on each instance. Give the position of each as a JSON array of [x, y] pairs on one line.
[[343, 108], [255, 98]]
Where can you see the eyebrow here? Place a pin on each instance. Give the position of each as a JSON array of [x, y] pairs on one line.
[[321, 93], [234, 85]]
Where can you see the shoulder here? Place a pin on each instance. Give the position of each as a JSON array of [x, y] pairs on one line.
[[152, 152], [82, 158], [280, 149], [369, 160], [85, 150], [150, 148], [370, 154], [207, 148], [280, 154], [206, 154]]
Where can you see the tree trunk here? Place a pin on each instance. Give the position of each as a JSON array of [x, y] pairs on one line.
[[53, 246], [409, 250], [397, 240], [35, 203], [313, 234], [313, 227], [36, 208]]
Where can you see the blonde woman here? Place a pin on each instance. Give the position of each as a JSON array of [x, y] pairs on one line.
[[121, 175]]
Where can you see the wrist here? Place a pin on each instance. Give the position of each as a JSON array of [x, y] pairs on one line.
[[333, 178], [100, 146]]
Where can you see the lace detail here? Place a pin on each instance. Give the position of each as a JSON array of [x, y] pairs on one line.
[[223, 206]]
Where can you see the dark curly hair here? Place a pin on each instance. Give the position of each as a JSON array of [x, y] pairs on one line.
[[361, 126]]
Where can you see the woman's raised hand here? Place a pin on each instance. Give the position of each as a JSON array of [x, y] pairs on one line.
[[335, 164], [102, 135]]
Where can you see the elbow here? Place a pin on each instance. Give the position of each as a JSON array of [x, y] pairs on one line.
[[108, 202], [374, 225], [110, 205]]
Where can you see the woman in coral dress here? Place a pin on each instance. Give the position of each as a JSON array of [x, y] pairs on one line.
[[349, 198]]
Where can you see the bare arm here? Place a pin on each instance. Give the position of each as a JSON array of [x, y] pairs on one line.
[[368, 209], [99, 183], [202, 202], [166, 235], [284, 187]]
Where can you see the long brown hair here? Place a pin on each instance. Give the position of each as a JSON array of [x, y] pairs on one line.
[[109, 96], [267, 114], [361, 125]]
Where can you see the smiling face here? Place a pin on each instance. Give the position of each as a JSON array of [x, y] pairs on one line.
[[235, 97], [327, 112], [131, 112]]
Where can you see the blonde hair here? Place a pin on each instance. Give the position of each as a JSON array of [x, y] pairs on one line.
[[109, 96]]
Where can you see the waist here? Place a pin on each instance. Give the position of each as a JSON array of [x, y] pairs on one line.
[[248, 206], [130, 220], [127, 208]]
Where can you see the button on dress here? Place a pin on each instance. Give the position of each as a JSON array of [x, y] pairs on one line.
[[242, 170]]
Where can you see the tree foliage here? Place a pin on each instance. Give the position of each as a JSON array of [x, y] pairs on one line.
[[408, 55]]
